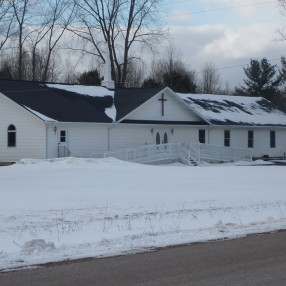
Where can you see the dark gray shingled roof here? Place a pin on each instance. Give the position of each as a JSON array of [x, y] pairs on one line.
[[90, 104], [57, 104], [67, 103]]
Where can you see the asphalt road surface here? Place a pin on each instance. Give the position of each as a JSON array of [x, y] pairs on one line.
[[254, 260]]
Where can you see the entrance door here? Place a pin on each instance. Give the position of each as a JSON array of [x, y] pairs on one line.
[[162, 136], [62, 143]]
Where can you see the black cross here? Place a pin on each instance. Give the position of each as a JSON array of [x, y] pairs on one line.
[[162, 99]]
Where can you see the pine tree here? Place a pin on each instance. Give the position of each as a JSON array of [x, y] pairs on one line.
[[263, 79], [150, 82], [179, 81], [90, 78]]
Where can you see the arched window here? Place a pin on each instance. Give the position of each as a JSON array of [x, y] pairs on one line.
[[11, 135], [165, 140], [158, 141]]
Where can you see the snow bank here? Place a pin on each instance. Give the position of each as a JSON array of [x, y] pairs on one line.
[[36, 245], [67, 208]]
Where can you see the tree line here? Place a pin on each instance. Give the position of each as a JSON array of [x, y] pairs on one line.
[[34, 33], [34, 36]]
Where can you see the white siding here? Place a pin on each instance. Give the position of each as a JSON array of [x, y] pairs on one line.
[[83, 139], [173, 110], [52, 142], [30, 132], [186, 134], [125, 136], [239, 139], [128, 135]]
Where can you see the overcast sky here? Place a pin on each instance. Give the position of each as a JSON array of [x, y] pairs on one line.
[[226, 32]]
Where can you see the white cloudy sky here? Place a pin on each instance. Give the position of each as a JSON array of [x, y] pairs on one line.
[[226, 32]]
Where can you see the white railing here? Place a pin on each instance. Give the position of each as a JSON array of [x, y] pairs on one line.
[[63, 151], [194, 152], [149, 153], [184, 153], [211, 153], [184, 156]]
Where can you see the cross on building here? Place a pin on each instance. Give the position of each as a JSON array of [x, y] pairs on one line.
[[162, 99]]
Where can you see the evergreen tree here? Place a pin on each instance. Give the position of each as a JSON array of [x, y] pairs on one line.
[[150, 82], [172, 72], [90, 78], [263, 79], [5, 71], [179, 81]]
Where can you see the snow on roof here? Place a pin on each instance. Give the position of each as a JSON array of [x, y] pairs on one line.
[[84, 90], [40, 115], [235, 110], [94, 91]]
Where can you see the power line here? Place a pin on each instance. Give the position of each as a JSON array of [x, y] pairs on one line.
[[224, 8], [241, 65]]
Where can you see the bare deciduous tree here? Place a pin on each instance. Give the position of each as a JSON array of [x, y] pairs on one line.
[[20, 10], [121, 24], [7, 17], [39, 26], [171, 71], [59, 14], [282, 30], [210, 79], [135, 74]]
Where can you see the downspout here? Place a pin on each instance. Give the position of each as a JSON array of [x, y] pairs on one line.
[[46, 140], [47, 143], [108, 136]]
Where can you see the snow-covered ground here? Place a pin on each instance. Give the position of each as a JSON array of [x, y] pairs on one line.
[[73, 208]]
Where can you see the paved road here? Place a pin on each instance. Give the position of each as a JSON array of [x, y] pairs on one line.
[[257, 260]]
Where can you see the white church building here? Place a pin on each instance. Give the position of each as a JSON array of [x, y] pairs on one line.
[[44, 121]]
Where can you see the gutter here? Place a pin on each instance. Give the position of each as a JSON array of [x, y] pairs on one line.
[[249, 126]]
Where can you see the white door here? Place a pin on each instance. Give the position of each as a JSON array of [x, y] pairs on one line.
[[62, 143], [162, 136], [62, 137]]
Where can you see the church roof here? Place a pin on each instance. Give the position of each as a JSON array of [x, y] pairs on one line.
[[78, 103], [51, 103], [75, 103], [235, 110]]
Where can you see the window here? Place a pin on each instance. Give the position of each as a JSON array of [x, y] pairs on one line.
[[250, 139], [272, 139], [11, 135], [165, 140], [158, 141], [226, 138], [202, 136], [63, 136]]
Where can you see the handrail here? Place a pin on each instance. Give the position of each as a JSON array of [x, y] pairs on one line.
[[63, 151], [185, 153], [195, 153], [210, 152], [148, 153]]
